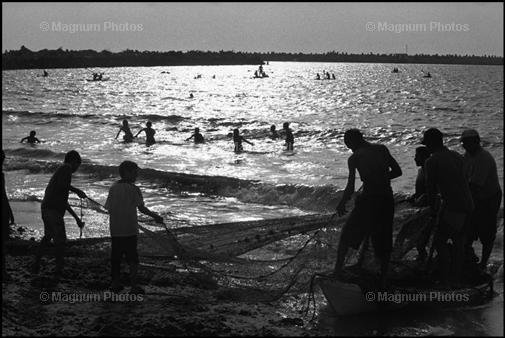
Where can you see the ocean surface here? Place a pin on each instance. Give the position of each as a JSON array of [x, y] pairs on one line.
[[209, 183]]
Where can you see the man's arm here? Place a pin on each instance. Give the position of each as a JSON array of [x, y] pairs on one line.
[[189, 138], [143, 209], [243, 139], [118, 133], [24, 138], [431, 185], [79, 192], [395, 171], [141, 130], [349, 189], [80, 224]]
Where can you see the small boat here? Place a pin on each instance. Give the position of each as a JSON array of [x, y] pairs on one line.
[[353, 298], [92, 80]]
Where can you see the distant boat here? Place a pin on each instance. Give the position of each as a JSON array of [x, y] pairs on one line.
[[92, 80], [395, 70]]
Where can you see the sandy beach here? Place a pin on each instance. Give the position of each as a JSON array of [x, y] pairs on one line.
[[179, 300]]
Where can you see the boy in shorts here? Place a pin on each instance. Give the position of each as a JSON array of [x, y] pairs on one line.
[[122, 202]]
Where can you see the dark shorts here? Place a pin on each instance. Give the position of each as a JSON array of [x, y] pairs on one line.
[[54, 226], [484, 219], [126, 246], [372, 216]]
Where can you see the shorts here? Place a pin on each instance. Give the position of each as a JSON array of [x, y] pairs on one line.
[[484, 219], [126, 246], [54, 226], [372, 216]]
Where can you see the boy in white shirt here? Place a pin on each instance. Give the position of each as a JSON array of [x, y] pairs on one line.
[[122, 203]]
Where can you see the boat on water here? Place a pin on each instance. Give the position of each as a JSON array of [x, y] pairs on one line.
[[354, 296], [96, 80]]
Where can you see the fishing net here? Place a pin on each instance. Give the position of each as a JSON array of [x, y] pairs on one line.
[[261, 260]]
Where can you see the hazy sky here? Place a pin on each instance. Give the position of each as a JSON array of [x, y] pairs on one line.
[[443, 28]]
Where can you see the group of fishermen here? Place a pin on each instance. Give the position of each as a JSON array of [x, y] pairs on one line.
[[462, 192]]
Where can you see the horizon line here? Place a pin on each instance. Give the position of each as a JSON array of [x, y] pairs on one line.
[[235, 51]]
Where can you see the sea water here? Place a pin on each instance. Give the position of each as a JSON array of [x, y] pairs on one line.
[[208, 183]]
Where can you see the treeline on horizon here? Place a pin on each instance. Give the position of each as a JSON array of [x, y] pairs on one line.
[[59, 58]]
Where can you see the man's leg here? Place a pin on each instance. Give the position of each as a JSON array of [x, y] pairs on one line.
[[133, 261], [115, 260], [40, 252], [60, 239]]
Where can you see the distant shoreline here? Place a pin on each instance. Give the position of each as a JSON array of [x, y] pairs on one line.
[[59, 58]]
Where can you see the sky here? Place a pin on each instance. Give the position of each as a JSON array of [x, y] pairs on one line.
[[428, 28]]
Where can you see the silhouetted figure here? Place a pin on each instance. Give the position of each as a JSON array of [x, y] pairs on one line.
[[395, 70], [237, 140], [198, 138], [333, 76], [7, 220], [122, 203], [327, 76], [273, 132], [445, 176], [149, 134], [128, 135], [31, 138], [290, 140], [419, 196], [191, 95], [53, 207], [482, 175], [419, 199], [374, 208], [318, 77], [45, 73]]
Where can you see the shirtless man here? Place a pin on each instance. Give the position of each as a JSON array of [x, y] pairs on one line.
[[54, 205], [128, 136], [444, 171], [482, 175], [149, 134], [374, 209]]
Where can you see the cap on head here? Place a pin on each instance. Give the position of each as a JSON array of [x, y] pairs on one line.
[[469, 133], [432, 136], [33, 132], [149, 123], [285, 125]]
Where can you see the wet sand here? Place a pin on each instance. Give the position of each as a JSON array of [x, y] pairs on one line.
[[185, 302]]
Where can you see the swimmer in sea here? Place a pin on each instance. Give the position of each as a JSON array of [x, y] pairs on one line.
[[31, 139], [149, 134], [237, 140], [198, 138], [128, 135]]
